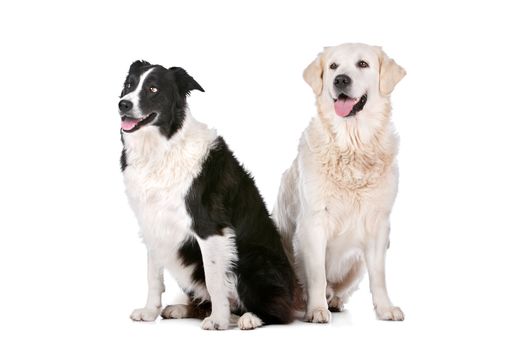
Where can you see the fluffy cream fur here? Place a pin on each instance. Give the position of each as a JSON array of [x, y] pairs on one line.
[[335, 200]]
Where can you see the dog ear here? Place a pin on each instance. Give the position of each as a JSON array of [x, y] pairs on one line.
[[138, 64], [313, 74], [184, 81], [390, 73]]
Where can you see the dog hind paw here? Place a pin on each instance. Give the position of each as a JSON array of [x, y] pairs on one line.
[[336, 304], [175, 311]]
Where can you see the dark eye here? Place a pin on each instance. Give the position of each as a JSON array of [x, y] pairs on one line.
[[362, 64], [128, 85], [153, 89], [334, 66]]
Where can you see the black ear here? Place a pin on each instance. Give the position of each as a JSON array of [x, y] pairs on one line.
[[184, 81], [138, 64]]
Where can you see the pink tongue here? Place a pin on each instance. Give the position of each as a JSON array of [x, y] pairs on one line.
[[343, 106], [128, 123]]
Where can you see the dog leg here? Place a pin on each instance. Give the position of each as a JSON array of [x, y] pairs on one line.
[[218, 254], [311, 251], [339, 292], [375, 260], [151, 311]]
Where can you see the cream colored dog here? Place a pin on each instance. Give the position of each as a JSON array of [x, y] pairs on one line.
[[334, 202]]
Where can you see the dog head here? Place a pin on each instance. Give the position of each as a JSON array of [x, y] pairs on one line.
[[155, 96], [352, 81]]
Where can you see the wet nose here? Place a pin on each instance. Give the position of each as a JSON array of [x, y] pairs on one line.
[[125, 105], [342, 81]]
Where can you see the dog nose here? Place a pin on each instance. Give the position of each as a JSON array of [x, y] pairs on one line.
[[342, 81], [125, 105]]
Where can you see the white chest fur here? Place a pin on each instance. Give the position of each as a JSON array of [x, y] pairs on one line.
[[349, 188], [157, 178]]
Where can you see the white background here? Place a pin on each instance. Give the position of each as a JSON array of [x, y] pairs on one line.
[[72, 266]]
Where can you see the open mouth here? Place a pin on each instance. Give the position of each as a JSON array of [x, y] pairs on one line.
[[129, 124], [346, 106]]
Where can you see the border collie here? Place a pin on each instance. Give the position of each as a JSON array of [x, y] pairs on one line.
[[200, 214]]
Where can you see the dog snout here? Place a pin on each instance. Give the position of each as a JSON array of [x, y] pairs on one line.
[[125, 105], [342, 81]]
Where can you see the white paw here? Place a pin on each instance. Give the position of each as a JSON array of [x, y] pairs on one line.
[[390, 313], [213, 323], [249, 321], [336, 304], [318, 315], [144, 314], [175, 311]]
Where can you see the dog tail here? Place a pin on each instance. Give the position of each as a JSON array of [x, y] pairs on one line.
[[267, 284]]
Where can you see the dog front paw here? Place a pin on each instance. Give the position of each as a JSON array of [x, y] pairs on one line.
[[390, 313], [214, 323], [318, 315], [144, 314]]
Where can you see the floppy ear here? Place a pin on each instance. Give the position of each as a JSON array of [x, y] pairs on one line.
[[185, 82], [313, 74], [390, 73]]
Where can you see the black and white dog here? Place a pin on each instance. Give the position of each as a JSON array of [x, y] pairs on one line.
[[200, 213]]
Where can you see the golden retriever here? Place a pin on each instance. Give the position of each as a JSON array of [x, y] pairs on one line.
[[335, 200]]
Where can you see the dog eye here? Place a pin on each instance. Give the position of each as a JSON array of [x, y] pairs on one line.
[[362, 64], [334, 66], [153, 89], [127, 85]]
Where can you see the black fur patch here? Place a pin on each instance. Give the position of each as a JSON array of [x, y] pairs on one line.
[[225, 195], [123, 159], [190, 254]]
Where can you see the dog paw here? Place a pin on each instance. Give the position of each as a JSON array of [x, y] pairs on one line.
[[390, 313], [212, 323], [318, 315], [336, 304], [249, 321], [144, 314], [175, 311]]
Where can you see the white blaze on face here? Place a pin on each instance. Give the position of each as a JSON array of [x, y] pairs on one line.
[[134, 97]]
